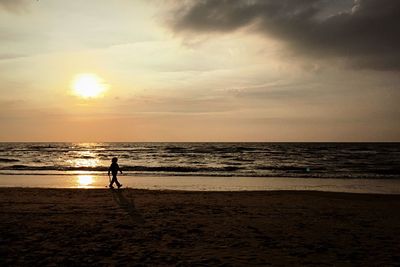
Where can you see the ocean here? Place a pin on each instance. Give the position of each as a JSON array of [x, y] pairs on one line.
[[288, 160]]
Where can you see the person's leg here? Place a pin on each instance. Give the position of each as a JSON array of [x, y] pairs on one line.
[[112, 181], [117, 182]]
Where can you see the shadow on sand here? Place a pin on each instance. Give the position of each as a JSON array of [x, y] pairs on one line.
[[127, 204]]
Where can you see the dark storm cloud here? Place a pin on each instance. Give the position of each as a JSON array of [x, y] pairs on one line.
[[14, 6], [367, 34]]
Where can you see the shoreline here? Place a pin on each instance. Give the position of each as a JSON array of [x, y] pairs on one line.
[[279, 191], [89, 227], [206, 183]]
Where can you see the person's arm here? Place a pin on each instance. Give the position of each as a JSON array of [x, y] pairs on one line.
[[109, 169]]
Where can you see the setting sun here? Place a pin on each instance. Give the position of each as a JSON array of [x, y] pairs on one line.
[[88, 86]]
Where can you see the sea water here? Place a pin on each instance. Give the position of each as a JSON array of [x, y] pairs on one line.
[[191, 161]]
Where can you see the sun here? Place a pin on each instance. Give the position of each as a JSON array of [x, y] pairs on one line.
[[88, 85]]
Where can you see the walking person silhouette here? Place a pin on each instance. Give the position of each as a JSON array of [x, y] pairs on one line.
[[114, 168]]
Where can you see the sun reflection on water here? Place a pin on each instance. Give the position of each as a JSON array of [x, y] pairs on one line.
[[85, 162], [84, 159], [85, 181]]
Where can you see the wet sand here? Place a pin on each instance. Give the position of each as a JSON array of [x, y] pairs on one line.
[[206, 183], [86, 227]]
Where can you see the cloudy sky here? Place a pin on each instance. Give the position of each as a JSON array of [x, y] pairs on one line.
[[206, 70]]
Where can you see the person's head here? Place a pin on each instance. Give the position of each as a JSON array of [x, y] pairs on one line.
[[114, 160]]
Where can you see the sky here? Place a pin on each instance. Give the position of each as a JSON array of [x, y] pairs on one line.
[[206, 70]]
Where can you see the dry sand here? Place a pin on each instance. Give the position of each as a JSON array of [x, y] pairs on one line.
[[77, 227]]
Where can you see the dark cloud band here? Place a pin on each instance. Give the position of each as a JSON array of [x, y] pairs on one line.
[[367, 34], [14, 6]]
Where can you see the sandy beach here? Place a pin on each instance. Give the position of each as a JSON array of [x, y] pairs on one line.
[[85, 227]]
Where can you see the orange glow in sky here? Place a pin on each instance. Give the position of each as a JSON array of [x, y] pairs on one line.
[[104, 71]]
